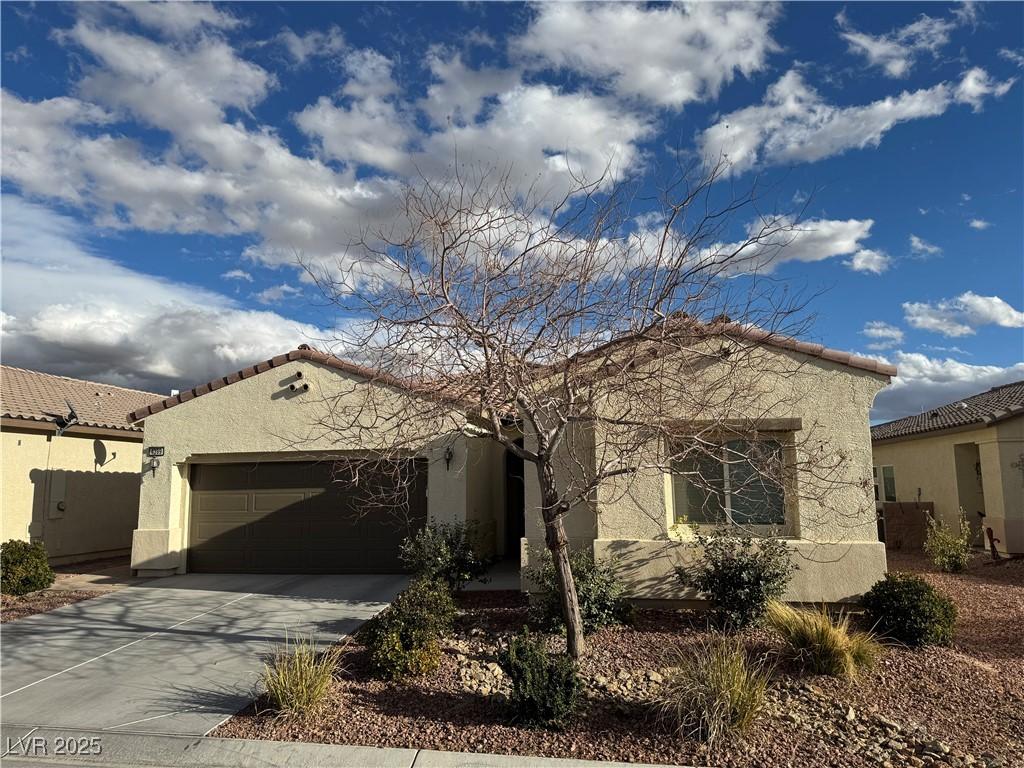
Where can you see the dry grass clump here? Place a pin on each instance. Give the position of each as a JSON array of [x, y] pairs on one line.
[[713, 690], [823, 645], [298, 675]]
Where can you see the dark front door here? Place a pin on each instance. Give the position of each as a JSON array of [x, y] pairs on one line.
[[293, 517]]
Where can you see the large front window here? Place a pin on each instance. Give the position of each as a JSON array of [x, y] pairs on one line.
[[739, 482]]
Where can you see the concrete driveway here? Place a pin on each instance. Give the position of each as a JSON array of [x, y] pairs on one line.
[[175, 655]]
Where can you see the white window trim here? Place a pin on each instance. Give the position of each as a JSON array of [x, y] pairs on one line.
[[881, 479]]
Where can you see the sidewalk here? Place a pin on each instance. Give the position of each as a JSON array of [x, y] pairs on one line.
[[27, 747]]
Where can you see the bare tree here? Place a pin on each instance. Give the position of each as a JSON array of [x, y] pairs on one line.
[[612, 343]]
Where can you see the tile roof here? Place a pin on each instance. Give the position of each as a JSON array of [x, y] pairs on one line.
[[38, 396], [305, 352], [985, 408]]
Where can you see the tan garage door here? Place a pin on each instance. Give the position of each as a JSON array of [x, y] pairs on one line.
[[292, 517]]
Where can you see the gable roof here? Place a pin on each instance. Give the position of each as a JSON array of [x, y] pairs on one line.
[[305, 352], [44, 397], [997, 404]]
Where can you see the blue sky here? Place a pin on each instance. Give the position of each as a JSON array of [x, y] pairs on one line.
[[163, 165]]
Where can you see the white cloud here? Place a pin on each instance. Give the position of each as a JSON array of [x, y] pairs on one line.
[[237, 274], [665, 55], [979, 224], [896, 51], [1014, 57], [793, 124], [178, 18], [963, 315], [925, 382], [458, 92], [277, 293], [921, 247], [313, 44], [807, 241], [885, 336], [977, 85], [74, 312], [869, 260]]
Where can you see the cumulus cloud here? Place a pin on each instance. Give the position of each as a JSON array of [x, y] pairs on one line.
[[314, 44], [926, 382], [71, 311], [869, 260], [896, 51], [963, 315], [237, 274], [921, 247], [979, 224], [794, 124], [666, 55], [176, 19], [884, 335], [806, 241]]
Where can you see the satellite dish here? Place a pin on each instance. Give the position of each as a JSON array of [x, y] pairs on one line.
[[67, 421]]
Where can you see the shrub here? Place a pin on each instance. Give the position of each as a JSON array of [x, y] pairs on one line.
[[545, 688], [598, 589], [949, 550], [909, 609], [403, 638], [444, 551], [821, 645], [24, 568], [298, 675], [739, 575], [712, 690]]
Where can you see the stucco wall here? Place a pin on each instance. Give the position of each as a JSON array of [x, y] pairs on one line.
[[928, 463], [834, 532], [260, 418], [100, 502]]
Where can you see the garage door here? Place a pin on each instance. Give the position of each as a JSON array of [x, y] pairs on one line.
[[291, 517]]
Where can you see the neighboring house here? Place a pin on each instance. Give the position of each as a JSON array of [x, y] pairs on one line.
[[967, 454], [70, 464], [244, 483]]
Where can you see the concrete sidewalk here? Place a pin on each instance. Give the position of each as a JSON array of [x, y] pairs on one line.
[[27, 747]]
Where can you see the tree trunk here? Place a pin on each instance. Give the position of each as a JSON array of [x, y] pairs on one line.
[[558, 544]]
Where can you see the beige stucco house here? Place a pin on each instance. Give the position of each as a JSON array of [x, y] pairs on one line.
[[968, 454], [70, 464], [239, 479]]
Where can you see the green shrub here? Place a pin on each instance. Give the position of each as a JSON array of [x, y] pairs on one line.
[[739, 575], [24, 568], [298, 675], [403, 638], [821, 645], [545, 688], [444, 551], [949, 550], [712, 690], [909, 609], [598, 589]]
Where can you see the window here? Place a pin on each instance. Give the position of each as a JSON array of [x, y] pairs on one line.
[[874, 480], [889, 483], [738, 483]]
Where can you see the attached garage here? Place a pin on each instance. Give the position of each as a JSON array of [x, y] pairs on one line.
[[296, 517]]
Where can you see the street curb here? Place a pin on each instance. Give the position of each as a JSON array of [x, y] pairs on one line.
[[26, 745]]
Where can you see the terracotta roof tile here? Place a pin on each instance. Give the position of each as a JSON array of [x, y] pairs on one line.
[[995, 405], [38, 396]]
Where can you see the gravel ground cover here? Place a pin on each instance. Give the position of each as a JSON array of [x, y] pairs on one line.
[[13, 607], [958, 706]]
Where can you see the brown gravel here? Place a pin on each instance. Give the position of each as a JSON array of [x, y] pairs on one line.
[[12, 607], [969, 697]]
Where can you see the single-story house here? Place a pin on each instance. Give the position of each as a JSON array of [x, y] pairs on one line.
[[239, 479], [968, 454], [70, 464]]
